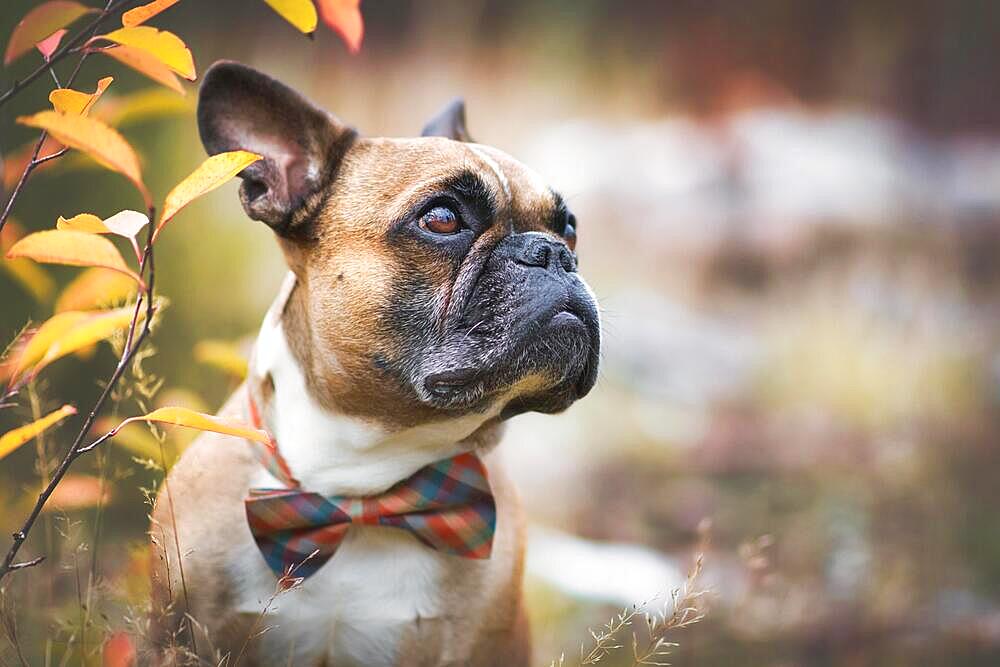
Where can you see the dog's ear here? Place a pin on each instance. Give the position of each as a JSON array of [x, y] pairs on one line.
[[449, 122], [301, 145]]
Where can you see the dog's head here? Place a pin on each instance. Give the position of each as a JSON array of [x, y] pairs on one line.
[[435, 276]]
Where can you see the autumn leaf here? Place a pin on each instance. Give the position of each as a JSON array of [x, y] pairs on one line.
[[93, 329], [200, 421], [48, 45], [11, 440], [16, 160], [40, 23], [140, 15], [67, 100], [38, 343], [344, 17], [212, 173], [73, 248], [119, 650], [94, 138], [82, 222], [78, 492], [145, 63], [165, 46], [223, 356], [95, 288], [300, 13], [25, 272], [152, 103]]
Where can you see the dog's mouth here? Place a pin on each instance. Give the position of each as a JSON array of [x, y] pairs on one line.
[[562, 352]]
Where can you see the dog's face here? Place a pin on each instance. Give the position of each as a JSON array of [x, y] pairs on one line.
[[435, 277]]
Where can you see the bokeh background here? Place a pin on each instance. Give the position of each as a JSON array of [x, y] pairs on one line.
[[790, 212]]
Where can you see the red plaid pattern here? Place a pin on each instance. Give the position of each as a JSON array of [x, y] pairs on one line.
[[447, 505]]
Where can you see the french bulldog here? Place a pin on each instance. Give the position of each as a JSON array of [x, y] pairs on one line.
[[432, 294]]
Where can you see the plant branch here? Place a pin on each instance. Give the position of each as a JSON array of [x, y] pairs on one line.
[[68, 47], [35, 161], [133, 342]]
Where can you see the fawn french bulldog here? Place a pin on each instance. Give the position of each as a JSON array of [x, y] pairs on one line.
[[433, 293]]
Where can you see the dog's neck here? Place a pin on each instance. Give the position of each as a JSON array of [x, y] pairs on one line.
[[335, 454]]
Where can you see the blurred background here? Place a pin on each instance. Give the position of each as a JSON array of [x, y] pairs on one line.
[[790, 213]]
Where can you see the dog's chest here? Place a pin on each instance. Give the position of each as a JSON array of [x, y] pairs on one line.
[[381, 590]]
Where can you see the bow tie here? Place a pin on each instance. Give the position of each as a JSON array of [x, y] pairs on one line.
[[447, 505]]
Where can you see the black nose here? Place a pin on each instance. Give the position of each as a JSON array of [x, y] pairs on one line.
[[545, 252]]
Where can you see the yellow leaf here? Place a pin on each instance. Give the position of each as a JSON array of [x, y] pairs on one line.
[[29, 275], [95, 288], [144, 105], [41, 22], [140, 15], [39, 343], [165, 46], [67, 100], [11, 440], [83, 222], [344, 17], [201, 422], [95, 139], [223, 356], [300, 13], [60, 246], [212, 173], [94, 329], [145, 63]]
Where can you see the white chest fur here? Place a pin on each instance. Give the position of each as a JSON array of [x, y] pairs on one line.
[[372, 594], [382, 583]]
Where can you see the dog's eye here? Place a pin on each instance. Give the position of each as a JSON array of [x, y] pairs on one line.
[[569, 233], [441, 220]]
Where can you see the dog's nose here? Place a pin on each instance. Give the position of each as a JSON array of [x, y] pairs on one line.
[[545, 252]]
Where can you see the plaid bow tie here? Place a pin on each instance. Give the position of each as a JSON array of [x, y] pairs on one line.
[[447, 505]]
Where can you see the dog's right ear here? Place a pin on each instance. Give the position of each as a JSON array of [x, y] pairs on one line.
[[241, 108]]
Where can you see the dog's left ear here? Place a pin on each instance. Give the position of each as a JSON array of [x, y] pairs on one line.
[[449, 122]]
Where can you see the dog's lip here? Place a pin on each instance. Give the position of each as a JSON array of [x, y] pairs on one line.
[[448, 382]]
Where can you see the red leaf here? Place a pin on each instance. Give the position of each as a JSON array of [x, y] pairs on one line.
[[48, 45], [344, 17], [119, 651]]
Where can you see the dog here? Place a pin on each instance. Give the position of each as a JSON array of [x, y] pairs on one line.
[[432, 295]]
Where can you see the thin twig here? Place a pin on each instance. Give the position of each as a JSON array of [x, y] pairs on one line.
[[68, 47], [133, 343], [35, 161]]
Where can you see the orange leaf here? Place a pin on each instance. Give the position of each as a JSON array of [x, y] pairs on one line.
[[165, 46], [11, 440], [28, 274], [67, 100], [15, 161], [78, 492], [200, 421], [95, 328], [95, 139], [95, 288], [40, 23], [36, 345], [62, 246], [344, 17], [145, 63], [140, 15], [300, 13], [48, 45], [212, 173], [119, 649]]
